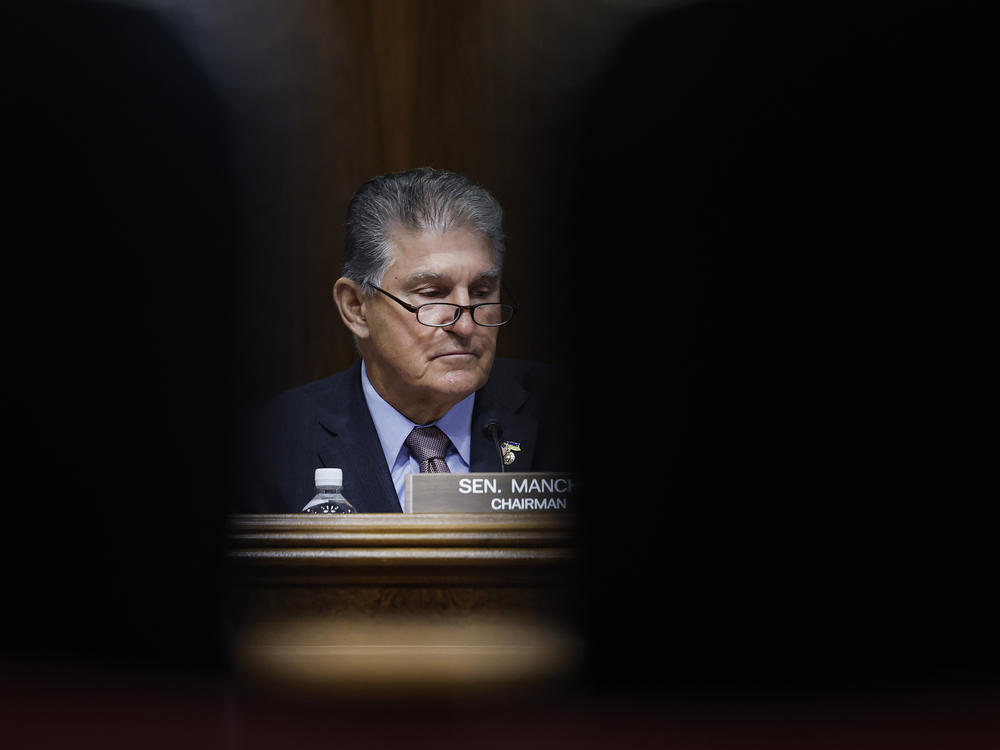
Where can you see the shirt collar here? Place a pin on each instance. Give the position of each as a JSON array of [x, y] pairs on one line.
[[393, 428]]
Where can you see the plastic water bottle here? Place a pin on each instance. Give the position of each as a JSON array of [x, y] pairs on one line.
[[328, 499]]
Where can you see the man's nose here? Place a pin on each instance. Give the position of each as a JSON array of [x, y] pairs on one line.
[[465, 325]]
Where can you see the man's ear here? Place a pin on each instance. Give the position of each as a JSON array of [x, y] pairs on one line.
[[351, 303]]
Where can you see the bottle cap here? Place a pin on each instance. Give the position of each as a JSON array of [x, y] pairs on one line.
[[329, 478]]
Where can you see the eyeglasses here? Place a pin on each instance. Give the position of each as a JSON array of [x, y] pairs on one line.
[[442, 314]]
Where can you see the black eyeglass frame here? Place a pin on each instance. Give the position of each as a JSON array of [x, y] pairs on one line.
[[415, 309]]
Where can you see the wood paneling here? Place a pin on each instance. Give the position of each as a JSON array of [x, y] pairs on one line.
[[452, 601], [325, 95]]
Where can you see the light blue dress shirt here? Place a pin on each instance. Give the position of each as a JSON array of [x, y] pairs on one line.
[[393, 428]]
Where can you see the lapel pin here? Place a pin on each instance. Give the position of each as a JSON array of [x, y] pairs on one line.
[[508, 448]]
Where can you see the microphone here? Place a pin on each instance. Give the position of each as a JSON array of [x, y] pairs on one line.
[[494, 431]]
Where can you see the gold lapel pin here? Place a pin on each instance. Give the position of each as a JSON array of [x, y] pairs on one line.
[[508, 448]]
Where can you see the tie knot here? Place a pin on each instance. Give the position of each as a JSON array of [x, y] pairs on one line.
[[429, 446]]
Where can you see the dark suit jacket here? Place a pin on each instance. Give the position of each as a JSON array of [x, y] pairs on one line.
[[327, 424]]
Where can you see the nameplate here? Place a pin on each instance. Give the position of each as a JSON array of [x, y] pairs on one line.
[[481, 492]]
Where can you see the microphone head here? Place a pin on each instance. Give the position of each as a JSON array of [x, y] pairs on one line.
[[493, 429]]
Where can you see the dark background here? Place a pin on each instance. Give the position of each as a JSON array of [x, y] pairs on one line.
[[756, 234], [794, 362]]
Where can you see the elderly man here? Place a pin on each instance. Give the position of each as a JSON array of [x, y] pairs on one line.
[[421, 293]]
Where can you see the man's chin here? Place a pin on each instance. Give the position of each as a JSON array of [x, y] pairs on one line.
[[459, 380]]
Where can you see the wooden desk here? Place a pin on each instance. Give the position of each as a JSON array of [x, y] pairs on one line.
[[404, 601]]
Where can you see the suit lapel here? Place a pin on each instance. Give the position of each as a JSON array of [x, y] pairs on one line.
[[500, 399], [354, 446]]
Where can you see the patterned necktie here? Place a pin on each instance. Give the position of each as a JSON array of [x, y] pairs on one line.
[[428, 445]]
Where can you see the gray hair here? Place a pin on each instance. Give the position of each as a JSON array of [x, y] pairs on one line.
[[422, 199]]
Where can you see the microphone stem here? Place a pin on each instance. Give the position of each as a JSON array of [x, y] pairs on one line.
[[496, 442]]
